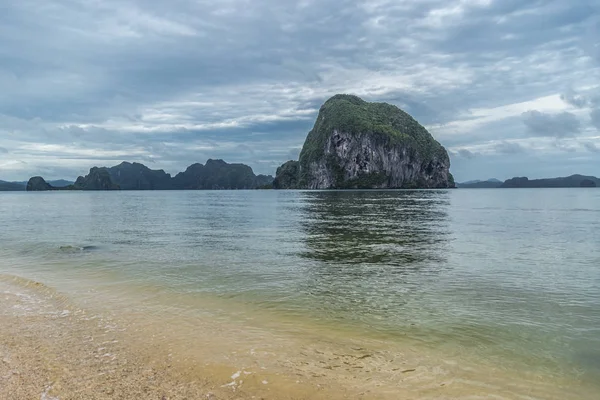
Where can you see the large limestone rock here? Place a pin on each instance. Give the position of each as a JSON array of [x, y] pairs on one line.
[[356, 144]]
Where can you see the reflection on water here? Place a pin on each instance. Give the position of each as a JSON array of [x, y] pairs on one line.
[[402, 229], [372, 252]]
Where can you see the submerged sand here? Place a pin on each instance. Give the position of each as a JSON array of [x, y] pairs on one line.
[[52, 349], [49, 351]]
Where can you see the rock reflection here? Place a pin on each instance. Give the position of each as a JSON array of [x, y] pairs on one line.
[[397, 228], [369, 253]]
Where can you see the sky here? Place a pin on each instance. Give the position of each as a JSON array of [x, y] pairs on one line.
[[509, 87]]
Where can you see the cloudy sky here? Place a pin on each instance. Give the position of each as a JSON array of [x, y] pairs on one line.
[[510, 87]]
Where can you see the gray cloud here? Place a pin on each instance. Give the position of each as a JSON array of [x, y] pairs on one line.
[[464, 153], [595, 117], [575, 99], [558, 125], [564, 146], [509, 148], [174, 83], [589, 146], [3, 150]]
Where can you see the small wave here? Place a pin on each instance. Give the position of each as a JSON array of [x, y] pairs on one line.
[[36, 287], [75, 249]]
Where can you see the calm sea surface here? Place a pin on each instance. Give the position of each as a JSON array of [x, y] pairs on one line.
[[509, 276]]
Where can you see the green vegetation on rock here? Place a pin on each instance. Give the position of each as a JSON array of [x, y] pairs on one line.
[[350, 114], [97, 179], [217, 174], [136, 176], [287, 175], [357, 144]]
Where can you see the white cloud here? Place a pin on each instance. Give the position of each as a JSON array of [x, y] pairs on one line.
[[476, 118]]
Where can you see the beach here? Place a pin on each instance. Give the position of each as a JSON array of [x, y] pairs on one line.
[[51, 349]]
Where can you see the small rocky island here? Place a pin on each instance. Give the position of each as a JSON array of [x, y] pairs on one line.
[[97, 179], [359, 145]]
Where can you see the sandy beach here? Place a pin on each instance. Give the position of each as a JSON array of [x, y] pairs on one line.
[[53, 350], [50, 351]]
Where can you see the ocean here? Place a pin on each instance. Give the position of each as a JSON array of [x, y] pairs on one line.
[[428, 294]]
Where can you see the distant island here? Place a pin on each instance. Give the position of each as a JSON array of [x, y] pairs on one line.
[[359, 145], [214, 175], [573, 181], [21, 186], [478, 184], [135, 176]]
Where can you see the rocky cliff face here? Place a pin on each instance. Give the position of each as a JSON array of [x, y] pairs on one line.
[[355, 144], [374, 161], [287, 176], [217, 174], [97, 179], [136, 176]]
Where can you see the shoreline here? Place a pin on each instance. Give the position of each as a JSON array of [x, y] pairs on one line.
[[52, 349]]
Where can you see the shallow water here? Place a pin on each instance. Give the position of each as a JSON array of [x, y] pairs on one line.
[[501, 279]]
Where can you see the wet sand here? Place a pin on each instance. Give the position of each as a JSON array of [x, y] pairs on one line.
[[51, 349]]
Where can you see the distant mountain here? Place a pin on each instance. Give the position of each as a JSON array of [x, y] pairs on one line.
[[97, 179], [216, 174], [11, 186], [264, 180], [61, 183], [136, 176], [38, 184], [477, 184], [20, 186], [572, 181]]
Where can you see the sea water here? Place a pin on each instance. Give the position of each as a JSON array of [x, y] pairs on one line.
[[502, 279]]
